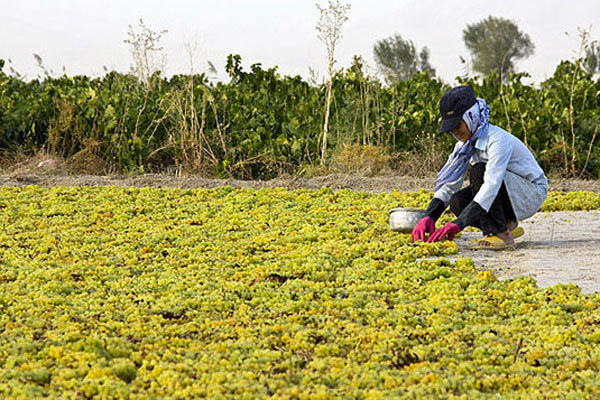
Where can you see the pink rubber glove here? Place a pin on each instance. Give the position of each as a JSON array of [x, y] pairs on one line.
[[424, 225], [449, 230]]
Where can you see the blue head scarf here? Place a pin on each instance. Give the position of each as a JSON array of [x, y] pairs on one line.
[[477, 119]]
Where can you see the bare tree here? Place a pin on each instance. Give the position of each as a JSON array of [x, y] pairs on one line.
[[145, 51], [579, 60], [329, 31]]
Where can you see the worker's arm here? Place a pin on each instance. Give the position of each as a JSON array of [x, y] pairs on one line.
[[435, 209], [437, 205], [442, 196]]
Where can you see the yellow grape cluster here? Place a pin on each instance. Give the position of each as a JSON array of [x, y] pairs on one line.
[[134, 293], [572, 201]]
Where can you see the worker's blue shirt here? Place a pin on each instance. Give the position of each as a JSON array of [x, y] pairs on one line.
[[507, 160]]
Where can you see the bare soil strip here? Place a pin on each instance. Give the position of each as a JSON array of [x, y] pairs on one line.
[[373, 184]]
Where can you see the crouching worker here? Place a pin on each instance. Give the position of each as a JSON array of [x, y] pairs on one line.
[[506, 183]]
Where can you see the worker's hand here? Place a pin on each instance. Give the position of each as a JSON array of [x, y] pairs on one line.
[[425, 225], [450, 229]]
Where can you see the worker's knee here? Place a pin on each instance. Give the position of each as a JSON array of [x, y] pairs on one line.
[[476, 177], [456, 205]]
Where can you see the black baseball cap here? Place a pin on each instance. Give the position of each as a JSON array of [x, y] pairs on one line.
[[453, 104]]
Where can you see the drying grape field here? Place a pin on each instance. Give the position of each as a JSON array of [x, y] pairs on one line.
[[121, 292]]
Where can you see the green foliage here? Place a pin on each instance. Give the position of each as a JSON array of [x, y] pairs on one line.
[[495, 44], [268, 122], [260, 124]]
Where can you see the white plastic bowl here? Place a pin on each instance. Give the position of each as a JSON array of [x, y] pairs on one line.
[[404, 219]]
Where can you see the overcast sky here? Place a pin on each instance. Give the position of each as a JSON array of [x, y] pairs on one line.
[[85, 35]]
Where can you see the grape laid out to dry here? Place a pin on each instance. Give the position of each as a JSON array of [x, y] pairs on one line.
[[135, 293]]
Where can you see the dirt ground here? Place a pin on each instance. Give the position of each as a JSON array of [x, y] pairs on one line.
[[559, 247], [335, 181], [374, 184]]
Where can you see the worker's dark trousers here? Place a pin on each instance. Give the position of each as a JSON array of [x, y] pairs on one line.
[[501, 211]]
